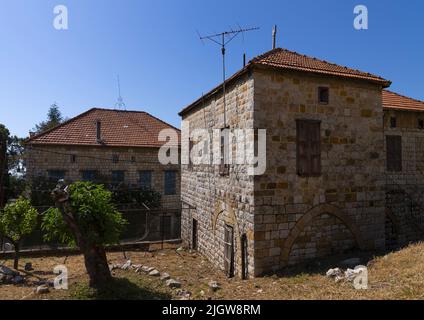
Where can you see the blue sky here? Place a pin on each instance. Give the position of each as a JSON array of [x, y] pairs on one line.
[[154, 47]]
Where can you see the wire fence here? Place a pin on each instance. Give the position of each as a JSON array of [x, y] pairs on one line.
[[155, 225]]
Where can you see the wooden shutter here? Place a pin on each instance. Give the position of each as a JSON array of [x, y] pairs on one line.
[[308, 148], [394, 153], [315, 147]]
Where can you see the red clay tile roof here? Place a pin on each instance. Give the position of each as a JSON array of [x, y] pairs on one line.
[[393, 100], [288, 60], [118, 129]]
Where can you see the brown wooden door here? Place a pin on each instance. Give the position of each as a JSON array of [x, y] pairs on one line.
[[194, 235], [229, 251], [244, 258]]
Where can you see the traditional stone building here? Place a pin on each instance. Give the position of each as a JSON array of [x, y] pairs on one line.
[[119, 145], [323, 191], [404, 134]]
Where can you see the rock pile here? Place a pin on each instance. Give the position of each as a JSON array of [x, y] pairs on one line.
[[349, 275], [153, 272], [9, 276]]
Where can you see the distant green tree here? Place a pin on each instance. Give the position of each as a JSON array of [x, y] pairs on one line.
[[4, 136], [17, 220], [85, 216], [54, 118]]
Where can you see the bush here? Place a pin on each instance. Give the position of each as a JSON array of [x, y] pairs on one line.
[[17, 221]]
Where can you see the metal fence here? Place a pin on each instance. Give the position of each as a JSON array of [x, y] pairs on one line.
[[143, 226]]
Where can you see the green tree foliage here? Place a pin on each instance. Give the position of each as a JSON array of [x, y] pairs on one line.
[[4, 135], [93, 212], [13, 165], [54, 118], [123, 193], [18, 220]]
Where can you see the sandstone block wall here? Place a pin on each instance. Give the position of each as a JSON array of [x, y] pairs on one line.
[[214, 200], [405, 189], [299, 218], [40, 159]]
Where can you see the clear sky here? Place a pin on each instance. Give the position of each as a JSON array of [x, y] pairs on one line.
[[154, 47]]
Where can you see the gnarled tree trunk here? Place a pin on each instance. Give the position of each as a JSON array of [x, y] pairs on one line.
[[94, 255]]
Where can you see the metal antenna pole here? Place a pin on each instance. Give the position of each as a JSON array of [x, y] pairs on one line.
[[220, 39], [120, 103], [224, 79]]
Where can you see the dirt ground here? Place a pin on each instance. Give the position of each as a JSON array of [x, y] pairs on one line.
[[398, 275]]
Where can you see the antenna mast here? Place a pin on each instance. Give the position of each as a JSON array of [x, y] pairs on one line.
[[222, 39], [120, 104]]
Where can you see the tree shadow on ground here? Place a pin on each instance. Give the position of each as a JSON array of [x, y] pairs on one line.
[[119, 289]]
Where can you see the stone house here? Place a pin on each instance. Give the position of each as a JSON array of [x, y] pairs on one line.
[[120, 145], [404, 134], [323, 191]]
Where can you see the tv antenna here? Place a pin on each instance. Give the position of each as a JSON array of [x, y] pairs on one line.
[[120, 104], [223, 39]]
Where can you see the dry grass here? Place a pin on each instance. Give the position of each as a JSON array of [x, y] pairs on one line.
[[398, 275]]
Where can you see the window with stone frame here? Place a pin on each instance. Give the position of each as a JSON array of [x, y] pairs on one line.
[[115, 158], [323, 95], [224, 166], [393, 122], [56, 175], [190, 147], [394, 153], [145, 179], [89, 175], [170, 183], [308, 149], [118, 176]]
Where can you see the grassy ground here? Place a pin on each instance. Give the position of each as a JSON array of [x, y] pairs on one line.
[[398, 275]]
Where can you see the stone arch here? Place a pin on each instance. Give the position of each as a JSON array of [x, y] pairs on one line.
[[230, 218], [307, 219]]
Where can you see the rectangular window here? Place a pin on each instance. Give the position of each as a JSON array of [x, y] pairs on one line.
[[118, 176], [393, 122], [323, 95], [420, 124], [170, 182], [73, 158], [190, 148], [308, 148], [115, 158], [56, 174], [89, 175], [224, 167], [145, 179], [394, 153]]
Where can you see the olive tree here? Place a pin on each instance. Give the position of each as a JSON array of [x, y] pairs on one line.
[[17, 220], [86, 217]]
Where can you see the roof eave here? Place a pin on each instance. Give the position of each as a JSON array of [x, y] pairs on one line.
[[215, 90]]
